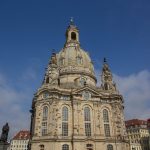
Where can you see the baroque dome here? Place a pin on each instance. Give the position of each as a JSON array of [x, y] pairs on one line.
[[74, 56], [72, 66]]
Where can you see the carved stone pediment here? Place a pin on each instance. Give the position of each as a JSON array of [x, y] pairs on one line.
[[87, 89]]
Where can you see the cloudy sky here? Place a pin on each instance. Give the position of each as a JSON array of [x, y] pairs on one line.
[[29, 30]]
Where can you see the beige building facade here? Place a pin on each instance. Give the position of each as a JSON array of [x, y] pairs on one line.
[[69, 111], [138, 134], [20, 141]]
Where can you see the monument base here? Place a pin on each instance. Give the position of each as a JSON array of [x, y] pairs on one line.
[[3, 145]]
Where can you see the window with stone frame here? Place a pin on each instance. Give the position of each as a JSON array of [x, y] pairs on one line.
[[89, 146], [79, 60], [45, 113], [83, 81], [109, 147], [107, 130], [87, 121], [105, 116], [106, 123], [65, 147], [41, 147], [73, 36], [45, 94], [44, 120], [47, 80], [64, 121]]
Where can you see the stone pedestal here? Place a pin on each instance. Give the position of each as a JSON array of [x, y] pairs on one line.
[[3, 145]]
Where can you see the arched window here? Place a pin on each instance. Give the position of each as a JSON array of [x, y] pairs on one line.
[[41, 147], [106, 122], [64, 121], [79, 60], [47, 80], [89, 146], [105, 115], [87, 120], [44, 120], [45, 113], [82, 81], [73, 35], [65, 147], [109, 147]]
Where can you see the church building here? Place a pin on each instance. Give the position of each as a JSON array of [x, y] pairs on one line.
[[70, 111]]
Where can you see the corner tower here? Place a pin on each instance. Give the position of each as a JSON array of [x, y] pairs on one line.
[[69, 111]]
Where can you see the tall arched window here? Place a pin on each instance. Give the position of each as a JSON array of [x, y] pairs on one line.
[[106, 122], [65, 147], [47, 80], [79, 60], [109, 147], [87, 121], [45, 113], [44, 120], [64, 121], [105, 115]]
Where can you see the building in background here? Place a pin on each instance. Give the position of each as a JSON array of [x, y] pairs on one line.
[[138, 134], [20, 141], [69, 111], [148, 125]]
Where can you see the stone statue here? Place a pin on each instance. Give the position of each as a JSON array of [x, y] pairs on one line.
[[4, 135]]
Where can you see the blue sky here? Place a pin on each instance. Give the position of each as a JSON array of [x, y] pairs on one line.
[[118, 30]]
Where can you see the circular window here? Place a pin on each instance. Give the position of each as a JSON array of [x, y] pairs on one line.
[[45, 95]]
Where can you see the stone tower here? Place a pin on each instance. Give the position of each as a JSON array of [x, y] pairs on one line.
[[69, 111]]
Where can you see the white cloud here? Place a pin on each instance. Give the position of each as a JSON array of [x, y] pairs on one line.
[[16, 97], [136, 91], [11, 108]]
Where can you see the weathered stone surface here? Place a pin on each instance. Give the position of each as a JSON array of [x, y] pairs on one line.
[[70, 82]]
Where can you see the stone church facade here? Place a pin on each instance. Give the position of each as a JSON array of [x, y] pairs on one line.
[[69, 111]]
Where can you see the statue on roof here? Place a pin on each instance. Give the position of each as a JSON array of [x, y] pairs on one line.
[[106, 71], [107, 78], [4, 135], [53, 59]]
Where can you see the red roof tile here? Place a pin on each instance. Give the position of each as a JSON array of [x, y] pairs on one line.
[[22, 135], [135, 122]]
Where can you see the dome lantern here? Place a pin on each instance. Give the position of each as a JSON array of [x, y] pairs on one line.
[[72, 35]]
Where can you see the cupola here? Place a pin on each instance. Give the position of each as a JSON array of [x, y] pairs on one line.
[[72, 35], [72, 65]]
